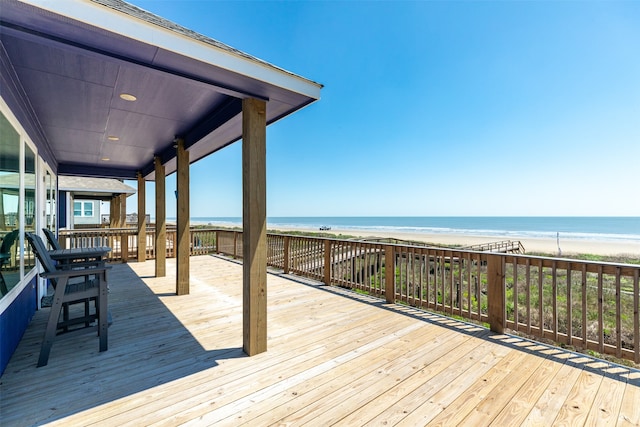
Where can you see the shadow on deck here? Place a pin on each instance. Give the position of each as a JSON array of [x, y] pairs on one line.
[[335, 357], [148, 346]]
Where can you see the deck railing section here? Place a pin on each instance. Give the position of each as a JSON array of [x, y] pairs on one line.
[[124, 241], [589, 305]]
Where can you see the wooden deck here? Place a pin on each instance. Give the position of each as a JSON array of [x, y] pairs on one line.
[[334, 357]]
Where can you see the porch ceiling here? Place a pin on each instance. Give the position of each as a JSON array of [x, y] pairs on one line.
[[70, 65]]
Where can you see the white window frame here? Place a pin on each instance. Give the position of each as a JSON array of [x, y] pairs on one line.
[[83, 210], [26, 276]]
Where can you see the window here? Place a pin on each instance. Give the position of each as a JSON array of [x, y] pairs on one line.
[[10, 200], [83, 209], [17, 206]]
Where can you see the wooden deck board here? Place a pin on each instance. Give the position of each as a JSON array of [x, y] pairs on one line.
[[334, 358]]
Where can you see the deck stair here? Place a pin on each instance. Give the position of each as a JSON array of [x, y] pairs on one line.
[[505, 246]]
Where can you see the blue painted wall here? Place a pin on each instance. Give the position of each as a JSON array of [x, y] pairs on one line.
[[14, 321], [62, 209]]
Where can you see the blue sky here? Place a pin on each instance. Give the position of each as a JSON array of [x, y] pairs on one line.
[[435, 108]]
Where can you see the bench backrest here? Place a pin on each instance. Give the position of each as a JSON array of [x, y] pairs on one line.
[[41, 253], [51, 238]]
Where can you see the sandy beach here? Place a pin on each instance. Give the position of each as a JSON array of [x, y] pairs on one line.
[[533, 245], [630, 249]]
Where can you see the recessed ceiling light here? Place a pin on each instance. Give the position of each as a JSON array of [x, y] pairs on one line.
[[113, 138], [105, 159], [127, 97]]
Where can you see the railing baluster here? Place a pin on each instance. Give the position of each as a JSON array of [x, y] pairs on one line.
[[584, 306], [569, 305], [618, 315], [452, 283], [515, 293], [443, 280], [540, 298], [636, 316], [600, 312], [554, 300], [528, 293], [468, 266]]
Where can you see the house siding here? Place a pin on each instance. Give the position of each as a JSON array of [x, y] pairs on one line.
[[84, 220], [14, 321]]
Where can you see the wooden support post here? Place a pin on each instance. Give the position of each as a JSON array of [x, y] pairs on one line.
[[183, 236], [254, 224], [496, 293], [287, 242], [114, 211], [122, 222], [389, 274], [114, 215], [3, 222], [161, 220], [142, 219], [327, 262], [124, 237]]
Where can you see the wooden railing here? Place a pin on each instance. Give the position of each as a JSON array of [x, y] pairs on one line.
[[585, 304], [124, 241]]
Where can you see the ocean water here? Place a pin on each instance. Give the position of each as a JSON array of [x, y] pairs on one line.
[[622, 229]]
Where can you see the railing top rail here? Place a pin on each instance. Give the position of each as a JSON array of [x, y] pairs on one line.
[[465, 251]]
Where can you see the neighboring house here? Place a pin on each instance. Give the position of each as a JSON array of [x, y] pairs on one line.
[[83, 200]]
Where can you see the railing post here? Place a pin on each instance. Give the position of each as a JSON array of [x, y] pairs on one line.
[[496, 293], [327, 262], [215, 242], [389, 274], [286, 254], [124, 245]]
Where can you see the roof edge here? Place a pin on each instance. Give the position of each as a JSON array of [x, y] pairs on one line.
[[133, 22]]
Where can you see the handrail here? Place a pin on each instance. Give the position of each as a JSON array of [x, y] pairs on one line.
[[585, 304]]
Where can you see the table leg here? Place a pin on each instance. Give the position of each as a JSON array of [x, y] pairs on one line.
[[103, 325], [52, 323]]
